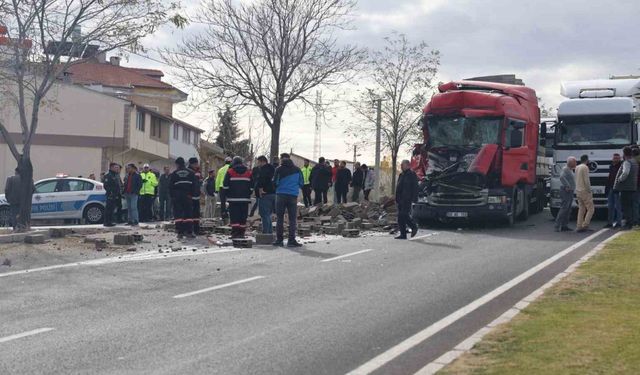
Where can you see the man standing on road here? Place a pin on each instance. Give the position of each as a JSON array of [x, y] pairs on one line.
[[288, 181], [113, 190], [222, 172], [163, 194], [132, 186], [147, 194], [357, 182], [334, 176], [12, 194], [320, 180], [238, 186], [266, 191], [194, 166], [567, 187], [369, 182], [406, 195], [343, 179], [613, 197], [306, 188], [627, 183], [182, 186], [210, 195], [584, 195]]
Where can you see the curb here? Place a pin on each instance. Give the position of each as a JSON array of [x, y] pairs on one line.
[[467, 344]]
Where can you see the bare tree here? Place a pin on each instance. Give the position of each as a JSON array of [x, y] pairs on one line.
[[400, 75], [267, 53], [43, 39]]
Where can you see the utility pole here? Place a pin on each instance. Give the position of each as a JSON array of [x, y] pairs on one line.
[[378, 139], [317, 140]]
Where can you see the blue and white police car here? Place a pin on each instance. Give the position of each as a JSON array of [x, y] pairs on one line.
[[63, 198]]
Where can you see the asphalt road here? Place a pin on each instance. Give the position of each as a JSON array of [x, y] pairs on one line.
[[266, 311]]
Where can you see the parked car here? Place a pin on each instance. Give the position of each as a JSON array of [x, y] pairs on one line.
[[63, 198]]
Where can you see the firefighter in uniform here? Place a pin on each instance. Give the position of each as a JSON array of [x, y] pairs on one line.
[[194, 166], [238, 186], [182, 184]]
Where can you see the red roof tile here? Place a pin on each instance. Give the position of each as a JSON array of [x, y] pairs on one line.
[[114, 76]]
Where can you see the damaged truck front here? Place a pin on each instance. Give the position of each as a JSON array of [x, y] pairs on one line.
[[483, 154]]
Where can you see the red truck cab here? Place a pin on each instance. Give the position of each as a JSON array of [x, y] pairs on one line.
[[480, 153]]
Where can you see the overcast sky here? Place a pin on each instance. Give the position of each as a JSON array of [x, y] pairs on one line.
[[544, 42]]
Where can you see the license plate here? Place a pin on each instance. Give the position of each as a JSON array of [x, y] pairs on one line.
[[457, 214]]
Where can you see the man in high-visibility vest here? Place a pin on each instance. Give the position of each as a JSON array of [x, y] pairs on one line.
[[219, 182], [147, 194], [306, 187]]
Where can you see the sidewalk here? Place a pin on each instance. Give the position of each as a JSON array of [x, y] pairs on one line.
[[589, 323]]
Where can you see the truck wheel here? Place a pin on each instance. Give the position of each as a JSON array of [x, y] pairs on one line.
[[5, 215], [93, 214]]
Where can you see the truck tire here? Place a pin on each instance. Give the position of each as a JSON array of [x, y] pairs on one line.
[[93, 214]]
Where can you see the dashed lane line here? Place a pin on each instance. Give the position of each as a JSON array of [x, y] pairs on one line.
[[219, 287], [24, 334], [346, 255]]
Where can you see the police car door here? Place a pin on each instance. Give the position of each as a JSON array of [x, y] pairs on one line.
[[43, 203], [72, 196]]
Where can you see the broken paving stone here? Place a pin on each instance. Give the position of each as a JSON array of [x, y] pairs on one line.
[[123, 239], [350, 233], [132, 249], [59, 232], [264, 238], [6, 262], [176, 248], [34, 239], [137, 237], [101, 244], [242, 242]]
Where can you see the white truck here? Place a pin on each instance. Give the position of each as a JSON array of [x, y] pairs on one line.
[[598, 119]]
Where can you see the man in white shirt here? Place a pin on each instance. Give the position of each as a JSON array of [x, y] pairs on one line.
[[584, 195]]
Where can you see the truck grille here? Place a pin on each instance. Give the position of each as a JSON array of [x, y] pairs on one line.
[[458, 199]]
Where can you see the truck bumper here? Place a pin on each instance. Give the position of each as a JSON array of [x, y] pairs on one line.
[[424, 211]]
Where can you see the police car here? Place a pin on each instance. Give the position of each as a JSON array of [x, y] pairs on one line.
[[63, 197]]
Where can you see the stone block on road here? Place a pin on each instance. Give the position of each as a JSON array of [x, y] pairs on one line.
[[59, 232], [123, 239], [350, 233], [242, 242], [34, 238], [264, 238]]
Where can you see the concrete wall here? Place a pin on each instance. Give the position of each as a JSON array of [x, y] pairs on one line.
[[177, 147]]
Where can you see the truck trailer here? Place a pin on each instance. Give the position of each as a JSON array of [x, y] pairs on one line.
[[483, 154], [598, 118]]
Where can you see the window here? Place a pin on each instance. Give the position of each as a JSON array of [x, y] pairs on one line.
[[46, 187], [515, 133], [78, 185], [156, 127], [176, 131], [196, 138], [186, 135], [140, 120]]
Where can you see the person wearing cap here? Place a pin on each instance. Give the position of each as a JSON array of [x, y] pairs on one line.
[[306, 188], [222, 172], [147, 194], [132, 186], [238, 186], [194, 166], [182, 186], [210, 195], [113, 190]]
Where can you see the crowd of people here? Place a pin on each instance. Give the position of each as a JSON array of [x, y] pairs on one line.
[[276, 184], [622, 191]]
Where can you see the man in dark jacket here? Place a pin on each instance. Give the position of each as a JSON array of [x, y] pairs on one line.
[[357, 182], [265, 191], [210, 195], [613, 197], [320, 179], [182, 186], [627, 184], [113, 190], [194, 166], [406, 195], [238, 186], [288, 181], [12, 194], [163, 194], [254, 173], [131, 190], [343, 179]]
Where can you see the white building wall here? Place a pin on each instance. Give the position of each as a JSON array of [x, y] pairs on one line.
[[178, 148]]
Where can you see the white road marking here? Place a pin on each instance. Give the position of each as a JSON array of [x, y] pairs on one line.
[[25, 334], [346, 255], [121, 259], [436, 327], [424, 236], [218, 287]]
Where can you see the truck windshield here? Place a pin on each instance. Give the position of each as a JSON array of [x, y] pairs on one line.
[[464, 131], [592, 130]]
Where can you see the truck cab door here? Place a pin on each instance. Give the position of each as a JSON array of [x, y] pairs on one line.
[[516, 163]]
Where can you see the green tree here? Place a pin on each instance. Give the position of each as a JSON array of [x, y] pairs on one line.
[[230, 134]]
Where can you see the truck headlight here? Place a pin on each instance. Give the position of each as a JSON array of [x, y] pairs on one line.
[[496, 199]]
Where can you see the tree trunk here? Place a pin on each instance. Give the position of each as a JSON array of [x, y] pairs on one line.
[[26, 192], [394, 171], [275, 137]]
